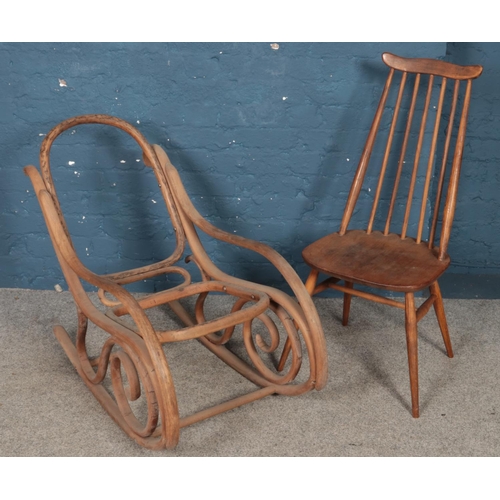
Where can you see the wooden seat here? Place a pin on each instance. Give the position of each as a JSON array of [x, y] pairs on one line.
[[133, 357], [421, 118], [376, 260]]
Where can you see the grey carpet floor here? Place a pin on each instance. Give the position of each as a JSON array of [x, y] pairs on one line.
[[46, 410]]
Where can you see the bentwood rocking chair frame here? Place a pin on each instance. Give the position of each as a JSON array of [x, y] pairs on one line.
[[395, 261], [135, 348]]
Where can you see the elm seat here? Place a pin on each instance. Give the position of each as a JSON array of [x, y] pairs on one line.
[[376, 260]]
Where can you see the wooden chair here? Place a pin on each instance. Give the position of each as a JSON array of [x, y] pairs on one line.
[[133, 355], [393, 260]]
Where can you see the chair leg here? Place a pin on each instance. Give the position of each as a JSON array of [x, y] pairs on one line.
[[443, 325], [412, 346], [310, 286], [347, 304]]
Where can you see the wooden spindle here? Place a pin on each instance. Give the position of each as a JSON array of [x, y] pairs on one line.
[[431, 161], [451, 199], [443, 164], [403, 153], [365, 158], [387, 152], [417, 158]]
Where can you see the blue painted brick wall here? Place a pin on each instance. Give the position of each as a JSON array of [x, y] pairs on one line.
[[266, 142], [476, 233]]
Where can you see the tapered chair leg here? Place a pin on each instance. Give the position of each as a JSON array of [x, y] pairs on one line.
[[311, 281], [412, 346], [443, 325], [347, 304]]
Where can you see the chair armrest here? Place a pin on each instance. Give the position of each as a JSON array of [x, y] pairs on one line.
[[63, 246], [304, 313], [197, 219]]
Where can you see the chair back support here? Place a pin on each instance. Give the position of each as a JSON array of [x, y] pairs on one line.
[[150, 159], [412, 130]]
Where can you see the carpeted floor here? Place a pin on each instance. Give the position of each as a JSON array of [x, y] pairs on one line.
[[46, 410]]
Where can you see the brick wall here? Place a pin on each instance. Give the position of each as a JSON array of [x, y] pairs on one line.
[[265, 140], [476, 232]]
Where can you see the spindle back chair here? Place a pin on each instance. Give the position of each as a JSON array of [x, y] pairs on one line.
[[426, 135], [133, 356]]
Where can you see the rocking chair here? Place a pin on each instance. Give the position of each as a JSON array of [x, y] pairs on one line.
[[133, 355]]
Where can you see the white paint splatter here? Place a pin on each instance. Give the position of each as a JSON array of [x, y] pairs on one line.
[[41, 135], [71, 163], [58, 288], [138, 160], [123, 161], [275, 46], [285, 98], [154, 201], [138, 121], [62, 83]]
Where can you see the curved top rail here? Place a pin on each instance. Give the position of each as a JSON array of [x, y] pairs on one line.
[[148, 153], [89, 119], [432, 67]]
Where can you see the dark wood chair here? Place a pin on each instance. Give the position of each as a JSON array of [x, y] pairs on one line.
[[133, 363], [391, 259]]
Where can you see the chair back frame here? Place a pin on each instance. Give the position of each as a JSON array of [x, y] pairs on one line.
[[434, 69]]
